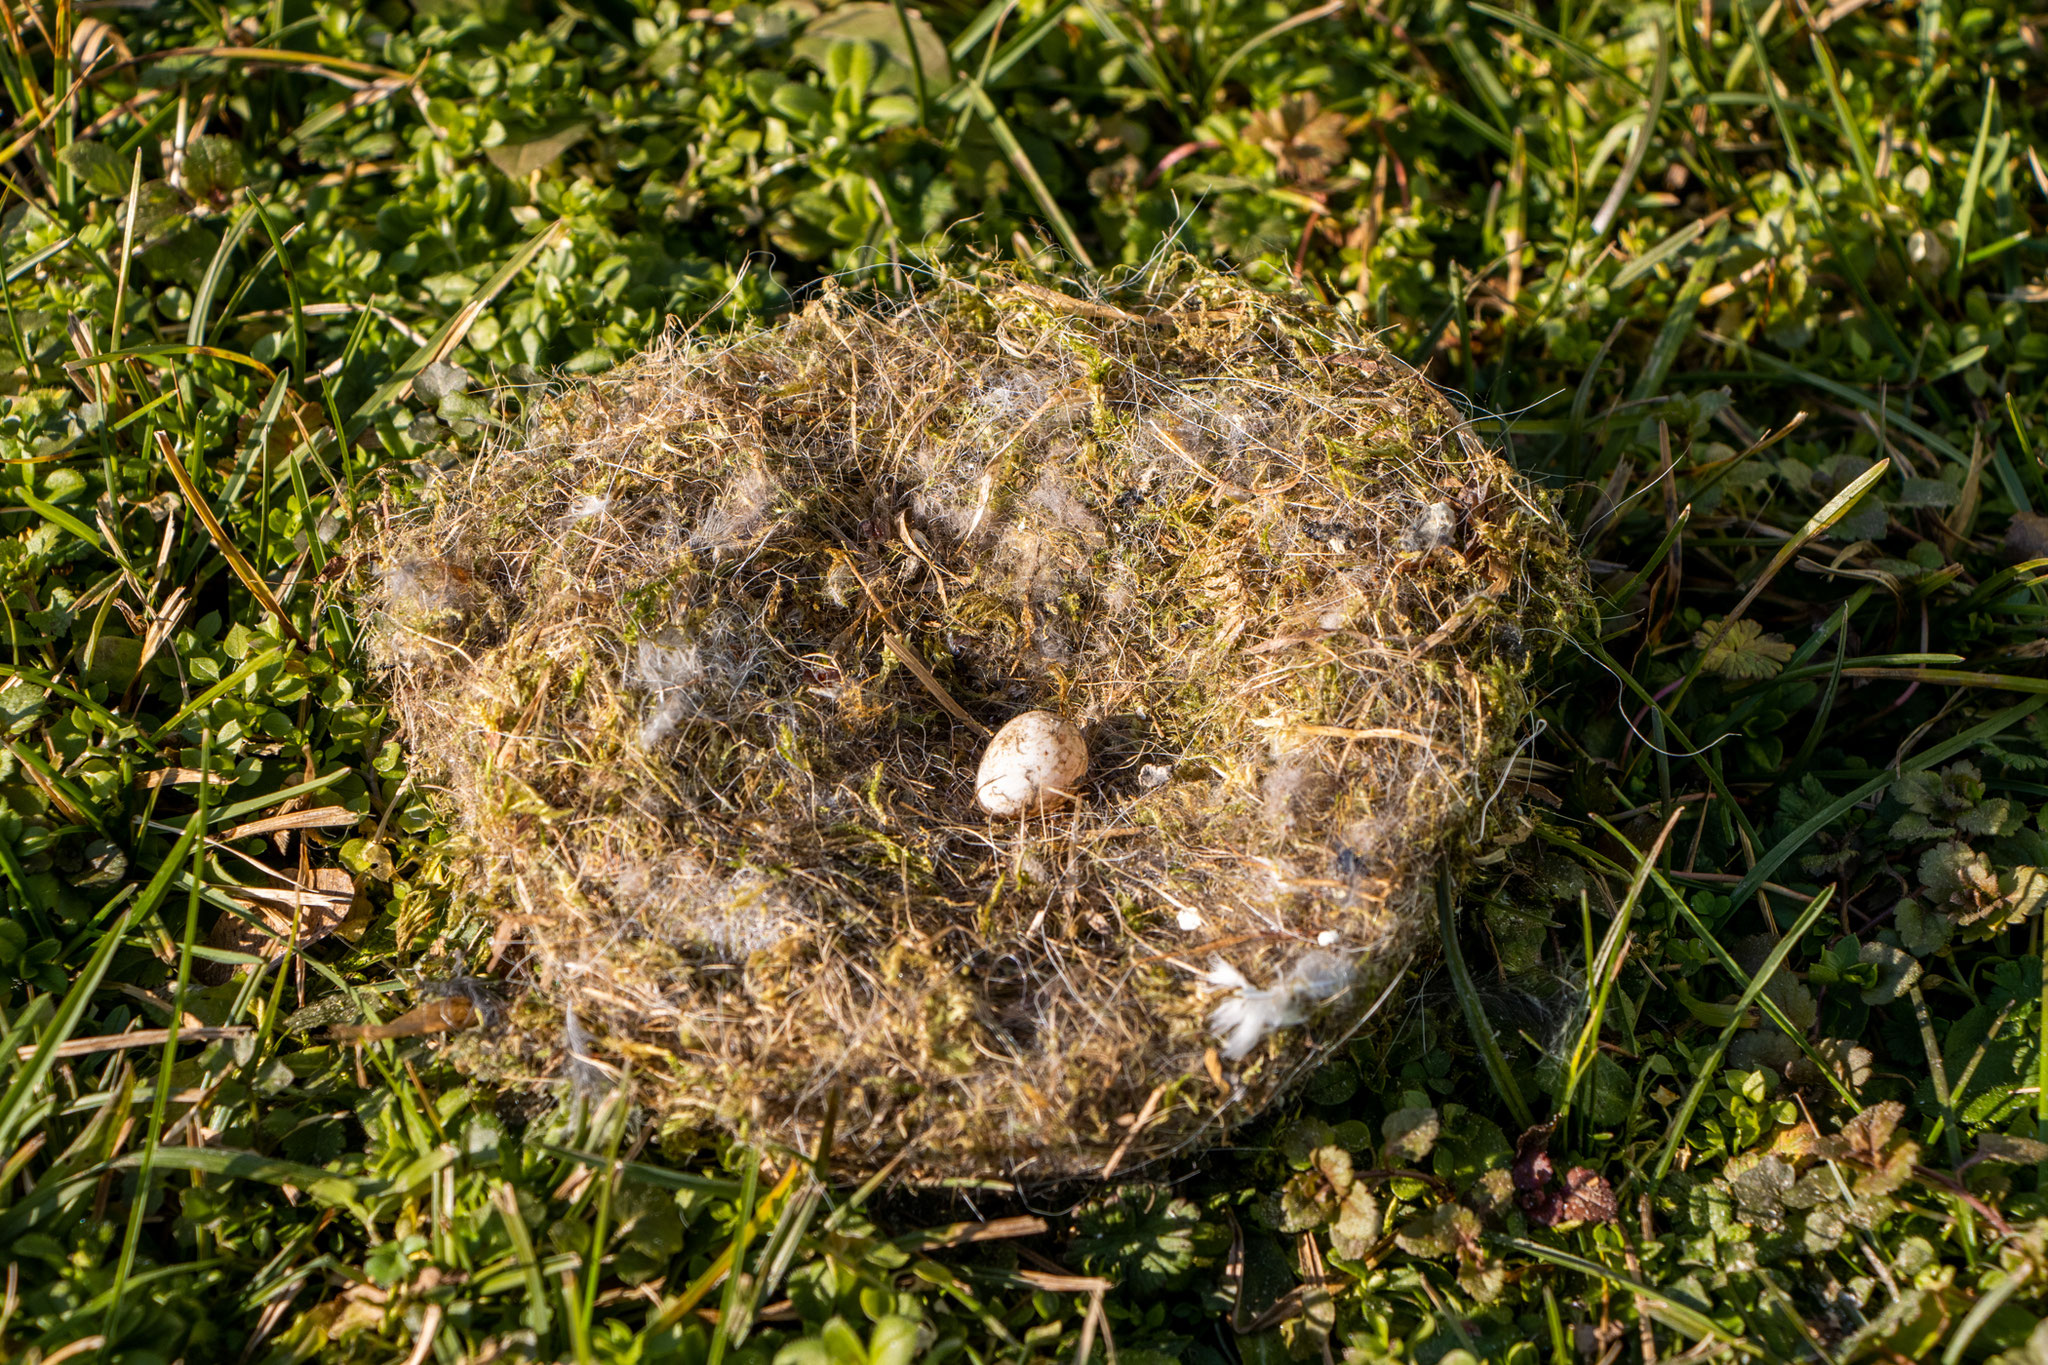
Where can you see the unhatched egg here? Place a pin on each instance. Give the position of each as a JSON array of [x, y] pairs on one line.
[[1034, 763]]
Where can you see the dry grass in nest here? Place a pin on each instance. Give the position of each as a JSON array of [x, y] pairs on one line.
[[706, 662]]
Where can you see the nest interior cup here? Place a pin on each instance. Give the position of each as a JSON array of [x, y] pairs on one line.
[[706, 662]]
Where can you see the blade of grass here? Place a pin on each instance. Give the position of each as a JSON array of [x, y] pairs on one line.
[[1582, 400], [1658, 254], [277, 56], [1982, 1311], [209, 283], [1877, 315], [27, 1078], [124, 1265], [57, 516], [127, 254], [538, 1315], [244, 570], [638, 1173], [1475, 1010], [676, 1309], [258, 443], [1620, 596], [1937, 1077], [234, 814], [1601, 969], [986, 21], [1047, 204], [1267, 35], [17, 877], [300, 363], [1021, 45], [1822, 711], [1674, 1313], [994, 65], [2041, 1054], [1817, 525], [1849, 394], [2009, 476], [1781, 852], [167, 349], [63, 791], [1591, 61], [35, 258], [1682, 1120], [1140, 57], [737, 1250], [1949, 677], [1859, 154], [1645, 134], [1479, 73], [255, 272], [221, 689], [1973, 183], [916, 64], [1456, 111], [30, 134], [1649, 699], [1678, 322], [444, 341], [368, 96], [1770, 1007], [116, 727], [778, 1254], [326, 1187], [606, 1182]]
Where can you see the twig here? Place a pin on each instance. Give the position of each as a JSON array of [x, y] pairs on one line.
[[1145, 1113], [142, 1037], [909, 656]]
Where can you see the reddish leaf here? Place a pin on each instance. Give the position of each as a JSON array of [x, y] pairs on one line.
[[1584, 1196]]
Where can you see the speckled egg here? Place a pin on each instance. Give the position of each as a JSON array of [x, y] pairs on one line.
[[1034, 763]]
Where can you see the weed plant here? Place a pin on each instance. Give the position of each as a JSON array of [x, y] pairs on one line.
[[1738, 1051]]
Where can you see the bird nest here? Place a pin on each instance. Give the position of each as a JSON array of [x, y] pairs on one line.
[[705, 664]]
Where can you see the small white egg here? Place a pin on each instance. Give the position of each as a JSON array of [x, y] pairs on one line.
[[1034, 763]]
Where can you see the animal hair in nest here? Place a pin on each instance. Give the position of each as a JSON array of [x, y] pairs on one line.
[[703, 663]]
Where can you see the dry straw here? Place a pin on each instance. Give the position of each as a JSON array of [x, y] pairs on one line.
[[704, 665]]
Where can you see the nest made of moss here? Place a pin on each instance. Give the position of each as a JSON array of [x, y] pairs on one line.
[[704, 665]]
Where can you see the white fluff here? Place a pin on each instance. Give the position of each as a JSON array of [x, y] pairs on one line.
[[588, 506], [740, 515], [1246, 1017], [587, 1075], [671, 675]]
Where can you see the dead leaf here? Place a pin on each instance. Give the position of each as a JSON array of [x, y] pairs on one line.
[[1302, 136], [320, 910], [440, 1014], [518, 160], [1583, 1196], [323, 817]]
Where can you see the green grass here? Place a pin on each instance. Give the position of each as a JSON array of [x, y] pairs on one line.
[[1756, 289]]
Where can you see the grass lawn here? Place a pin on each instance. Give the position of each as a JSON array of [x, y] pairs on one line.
[[1737, 1047]]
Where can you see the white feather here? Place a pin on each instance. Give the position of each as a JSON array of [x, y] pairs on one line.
[[1250, 1014]]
